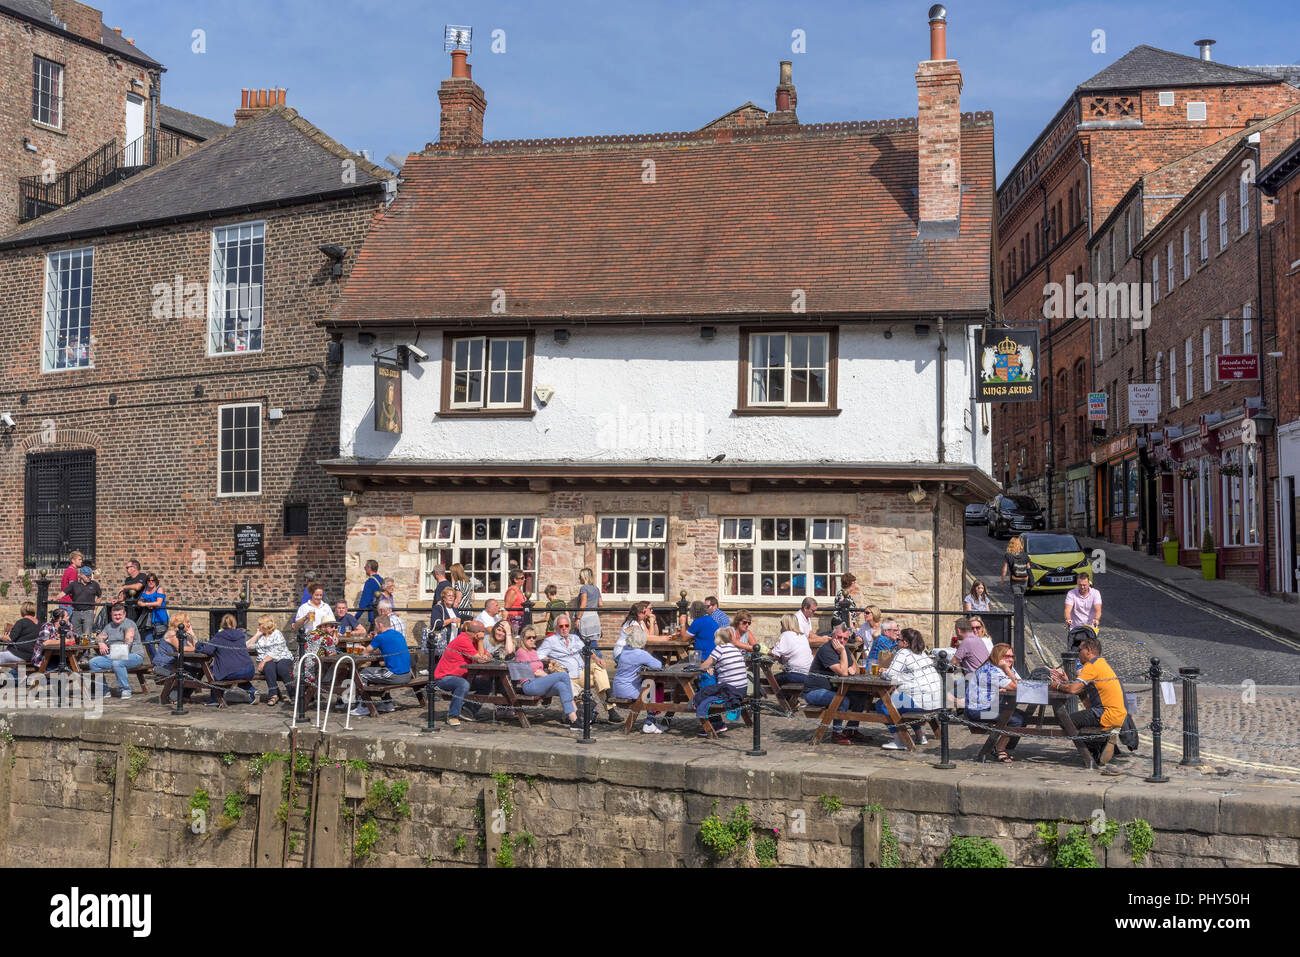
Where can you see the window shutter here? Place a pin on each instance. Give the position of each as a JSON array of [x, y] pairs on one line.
[[60, 507]]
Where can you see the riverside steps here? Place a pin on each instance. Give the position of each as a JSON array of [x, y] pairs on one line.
[[142, 787]]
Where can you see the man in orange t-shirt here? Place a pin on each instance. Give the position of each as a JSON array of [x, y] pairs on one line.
[[1106, 697]]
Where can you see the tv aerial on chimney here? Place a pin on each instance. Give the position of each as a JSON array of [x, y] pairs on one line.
[[457, 38]]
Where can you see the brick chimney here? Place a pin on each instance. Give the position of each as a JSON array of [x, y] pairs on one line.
[[253, 103], [786, 99], [463, 104], [938, 124], [80, 19]]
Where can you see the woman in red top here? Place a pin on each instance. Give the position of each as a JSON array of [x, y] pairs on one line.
[[450, 673], [513, 605]]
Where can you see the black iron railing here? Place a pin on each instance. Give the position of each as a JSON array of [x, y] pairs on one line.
[[107, 166]]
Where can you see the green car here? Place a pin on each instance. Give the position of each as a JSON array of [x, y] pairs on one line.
[[1054, 559]]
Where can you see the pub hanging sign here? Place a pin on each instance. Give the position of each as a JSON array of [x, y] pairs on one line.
[[388, 397], [1008, 365]]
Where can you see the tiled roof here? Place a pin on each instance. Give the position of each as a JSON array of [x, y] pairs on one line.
[[1146, 67], [199, 127], [277, 159], [41, 11], [733, 224], [1286, 72]]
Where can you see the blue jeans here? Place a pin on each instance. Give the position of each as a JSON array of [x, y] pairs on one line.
[[103, 663], [552, 685], [821, 698], [905, 705], [458, 687]]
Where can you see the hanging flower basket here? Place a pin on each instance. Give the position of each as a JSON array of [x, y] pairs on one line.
[[1187, 472], [1230, 470]]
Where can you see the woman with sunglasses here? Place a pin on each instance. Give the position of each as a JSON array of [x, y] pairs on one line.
[[543, 684], [153, 623], [743, 636], [636, 616]]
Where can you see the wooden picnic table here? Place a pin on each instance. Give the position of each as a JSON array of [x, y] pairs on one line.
[[877, 688], [505, 694], [670, 650], [74, 650], [1035, 726], [679, 688], [202, 683]]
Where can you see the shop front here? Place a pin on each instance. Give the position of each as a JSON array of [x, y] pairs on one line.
[[1240, 539], [1195, 455], [1119, 490]]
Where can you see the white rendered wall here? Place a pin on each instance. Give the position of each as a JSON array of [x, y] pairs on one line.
[[664, 394]]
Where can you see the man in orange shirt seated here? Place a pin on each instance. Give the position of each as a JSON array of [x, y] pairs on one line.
[[1105, 695]]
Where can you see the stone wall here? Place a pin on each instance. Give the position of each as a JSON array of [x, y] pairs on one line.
[[118, 792]]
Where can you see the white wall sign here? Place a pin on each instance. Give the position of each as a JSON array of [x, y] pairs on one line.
[[1143, 403]]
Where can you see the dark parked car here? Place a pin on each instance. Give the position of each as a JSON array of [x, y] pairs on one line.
[[1012, 514], [977, 514]]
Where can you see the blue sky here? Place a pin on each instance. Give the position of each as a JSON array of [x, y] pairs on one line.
[[367, 71]]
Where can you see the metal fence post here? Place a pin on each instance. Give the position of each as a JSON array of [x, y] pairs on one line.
[[43, 598], [945, 759], [757, 750], [1018, 628], [1157, 772], [1191, 720], [181, 635], [587, 705]]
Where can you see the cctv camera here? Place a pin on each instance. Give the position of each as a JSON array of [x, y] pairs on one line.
[[7, 421], [419, 354]]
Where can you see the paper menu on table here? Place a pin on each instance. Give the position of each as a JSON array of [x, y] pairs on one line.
[[1031, 692]]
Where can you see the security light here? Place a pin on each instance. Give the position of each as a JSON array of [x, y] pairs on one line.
[[419, 354]]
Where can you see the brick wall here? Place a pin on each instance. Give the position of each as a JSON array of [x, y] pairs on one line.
[[889, 542], [95, 86], [156, 437]]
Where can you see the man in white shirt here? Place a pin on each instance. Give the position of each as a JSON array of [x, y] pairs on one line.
[[806, 614], [490, 614], [385, 606], [314, 612], [1082, 604]]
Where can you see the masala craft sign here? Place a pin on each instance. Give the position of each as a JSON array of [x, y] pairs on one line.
[[388, 397], [1008, 365]]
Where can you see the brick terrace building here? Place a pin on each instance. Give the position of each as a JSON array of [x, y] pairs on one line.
[[1146, 109], [167, 372], [1280, 182], [621, 373], [68, 86], [1205, 253]]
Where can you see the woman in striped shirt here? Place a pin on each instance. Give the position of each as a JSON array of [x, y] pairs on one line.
[[727, 664]]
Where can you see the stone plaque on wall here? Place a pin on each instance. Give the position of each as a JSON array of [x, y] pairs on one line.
[[584, 534]]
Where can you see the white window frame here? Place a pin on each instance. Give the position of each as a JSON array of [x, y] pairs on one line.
[[1128, 231], [1187, 253], [753, 402], [1250, 503], [1155, 278], [1227, 338], [249, 312], [1205, 235], [1247, 329], [1169, 250], [1114, 251], [1187, 365], [633, 543], [1207, 373], [55, 92], [1160, 368], [1223, 220], [810, 547], [487, 373], [221, 449], [1243, 204], [58, 316], [1173, 377], [434, 542]]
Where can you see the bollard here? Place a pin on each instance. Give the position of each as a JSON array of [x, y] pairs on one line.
[[1157, 771], [945, 759], [757, 750], [1191, 721], [180, 671], [431, 688], [587, 704]]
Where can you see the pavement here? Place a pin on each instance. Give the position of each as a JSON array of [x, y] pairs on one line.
[[1281, 616]]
